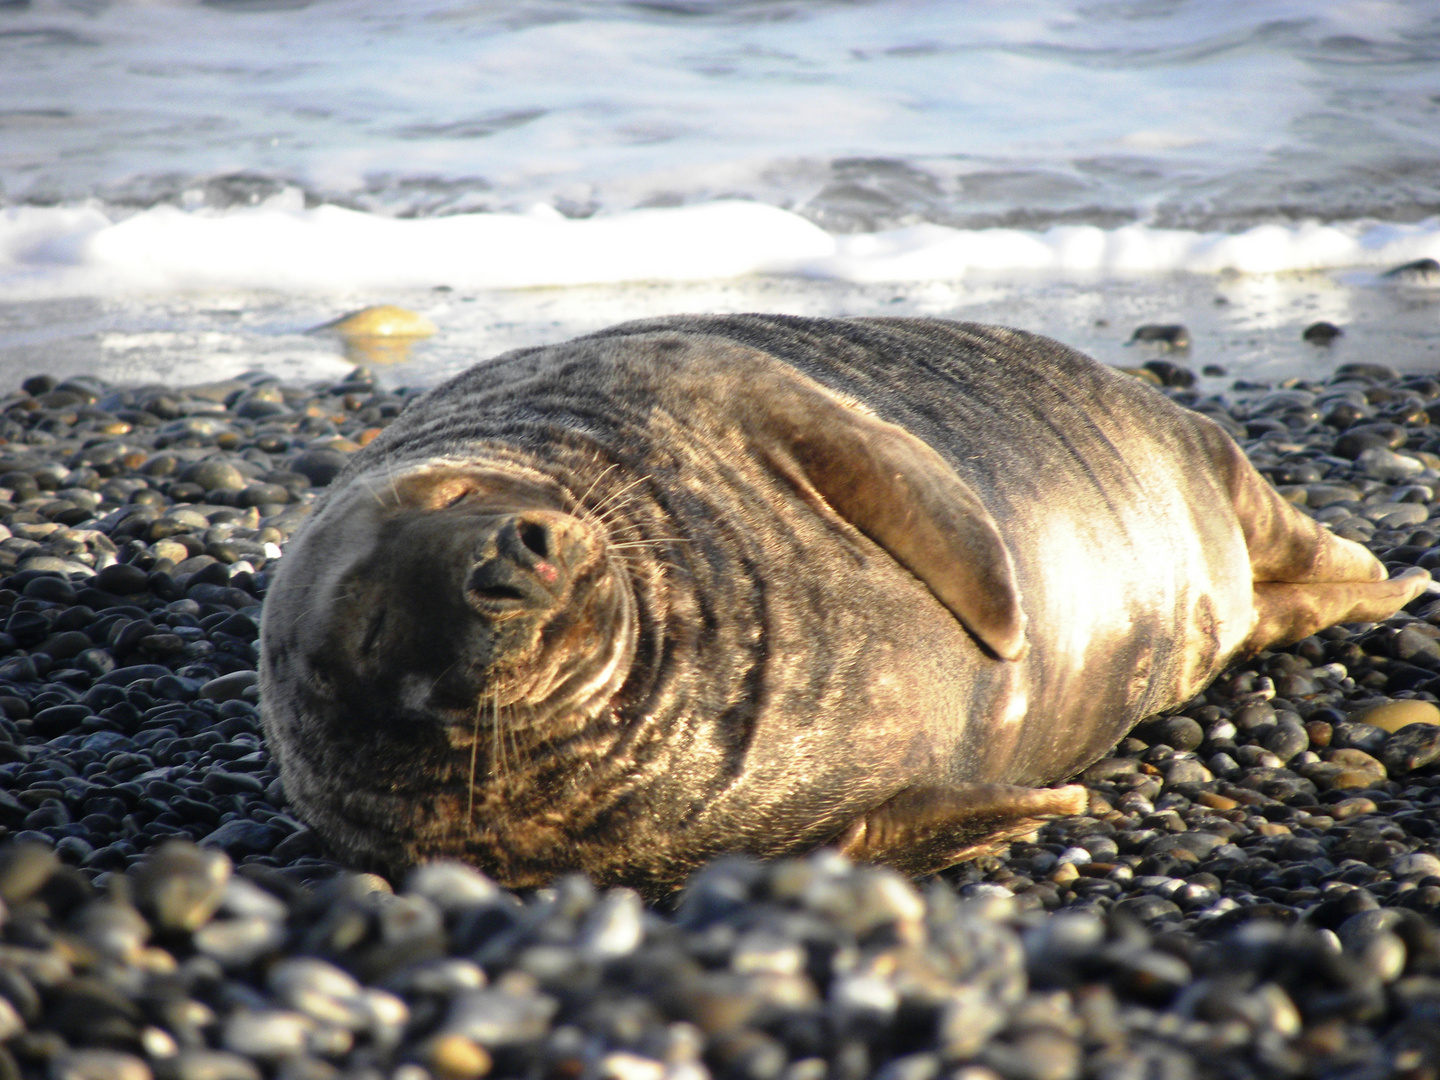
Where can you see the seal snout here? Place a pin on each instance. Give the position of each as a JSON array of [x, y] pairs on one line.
[[526, 561]]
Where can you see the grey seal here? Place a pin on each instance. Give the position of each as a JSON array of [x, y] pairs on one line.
[[762, 583]]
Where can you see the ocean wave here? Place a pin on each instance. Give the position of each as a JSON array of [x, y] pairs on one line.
[[284, 246]]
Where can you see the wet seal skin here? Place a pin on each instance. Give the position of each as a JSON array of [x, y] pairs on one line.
[[763, 583]]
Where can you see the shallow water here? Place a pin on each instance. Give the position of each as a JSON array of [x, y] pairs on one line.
[[187, 186], [1248, 325]]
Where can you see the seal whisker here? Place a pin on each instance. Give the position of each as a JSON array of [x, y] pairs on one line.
[[497, 758], [303, 612], [616, 494], [470, 786], [371, 489], [580, 502]]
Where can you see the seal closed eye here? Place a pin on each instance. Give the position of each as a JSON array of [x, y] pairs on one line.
[[762, 583]]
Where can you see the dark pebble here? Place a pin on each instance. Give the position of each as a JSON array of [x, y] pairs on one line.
[[122, 579], [1179, 732], [1421, 270], [319, 466], [1321, 333], [1171, 335]]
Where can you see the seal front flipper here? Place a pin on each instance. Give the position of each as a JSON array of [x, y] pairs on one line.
[[925, 829], [896, 490]]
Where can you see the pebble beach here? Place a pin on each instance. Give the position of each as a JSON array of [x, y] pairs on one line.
[[1254, 892]]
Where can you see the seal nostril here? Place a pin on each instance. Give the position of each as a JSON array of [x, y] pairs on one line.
[[536, 537]]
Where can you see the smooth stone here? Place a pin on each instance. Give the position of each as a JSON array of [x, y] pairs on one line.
[[451, 886], [181, 885], [381, 320], [1383, 955], [495, 1018], [442, 977], [117, 931], [613, 927], [1397, 515], [454, 1057], [1319, 496], [1352, 807], [24, 868], [319, 465], [1179, 732], [269, 1034], [1186, 771], [98, 1065], [1412, 747], [1170, 335], [244, 898], [207, 1065], [1393, 715], [11, 1022], [1381, 463], [122, 579], [241, 837], [1417, 864], [1285, 740], [214, 474], [1321, 333], [238, 943], [1357, 760], [1358, 735]]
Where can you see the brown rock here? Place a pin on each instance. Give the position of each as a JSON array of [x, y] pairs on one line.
[[1353, 807], [454, 1057], [1394, 715]]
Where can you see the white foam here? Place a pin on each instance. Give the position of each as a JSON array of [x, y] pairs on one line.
[[934, 252], [283, 246]]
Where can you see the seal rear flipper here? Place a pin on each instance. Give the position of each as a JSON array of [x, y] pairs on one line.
[[896, 490], [925, 829], [1285, 613]]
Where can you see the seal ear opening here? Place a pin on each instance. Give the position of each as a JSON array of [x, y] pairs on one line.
[[900, 493]]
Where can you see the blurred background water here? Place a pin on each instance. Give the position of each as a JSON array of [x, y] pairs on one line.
[[193, 184]]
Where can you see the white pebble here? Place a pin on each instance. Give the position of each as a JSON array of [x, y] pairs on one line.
[[614, 926], [623, 1066]]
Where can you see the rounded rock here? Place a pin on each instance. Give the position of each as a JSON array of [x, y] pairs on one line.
[[454, 1057], [181, 885], [98, 1065], [1394, 715]]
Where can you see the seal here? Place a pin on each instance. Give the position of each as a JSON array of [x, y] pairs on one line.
[[760, 583]]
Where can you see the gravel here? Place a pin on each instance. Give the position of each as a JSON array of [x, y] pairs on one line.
[[1255, 891]]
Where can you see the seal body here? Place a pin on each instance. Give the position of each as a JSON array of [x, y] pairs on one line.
[[762, 583]]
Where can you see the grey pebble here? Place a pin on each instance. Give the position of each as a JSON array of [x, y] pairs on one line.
[[181, 885], [197, 1064], [236, 943], [499, 1017], [269, 1034], [98, 1065]]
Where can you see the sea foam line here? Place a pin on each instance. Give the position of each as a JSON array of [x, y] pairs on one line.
[[282, 245]]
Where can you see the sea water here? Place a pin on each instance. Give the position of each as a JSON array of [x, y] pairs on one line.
[[189, 186]]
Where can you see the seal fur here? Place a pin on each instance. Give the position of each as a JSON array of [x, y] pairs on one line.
[[763, 583]]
